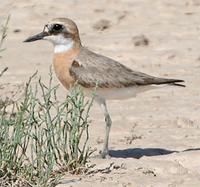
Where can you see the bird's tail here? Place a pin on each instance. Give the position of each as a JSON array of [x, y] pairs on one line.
[[174, 82]]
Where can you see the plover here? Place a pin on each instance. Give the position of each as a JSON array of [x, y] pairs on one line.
[[73, 62]]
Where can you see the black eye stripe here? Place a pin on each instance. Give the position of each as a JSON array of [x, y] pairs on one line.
[[57, 27]]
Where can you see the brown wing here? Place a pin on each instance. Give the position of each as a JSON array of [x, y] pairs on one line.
[[90, 67]]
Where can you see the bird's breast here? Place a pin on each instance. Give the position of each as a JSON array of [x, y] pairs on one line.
[[62, 63]]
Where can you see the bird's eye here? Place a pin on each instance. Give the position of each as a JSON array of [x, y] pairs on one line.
[[57, 27]]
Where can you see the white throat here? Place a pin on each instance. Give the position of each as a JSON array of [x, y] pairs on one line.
[[60, 43], [60, 48]]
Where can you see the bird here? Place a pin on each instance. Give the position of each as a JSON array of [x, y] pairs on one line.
[[74, 63]]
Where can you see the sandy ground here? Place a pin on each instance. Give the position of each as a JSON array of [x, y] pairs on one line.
[[154, 140]]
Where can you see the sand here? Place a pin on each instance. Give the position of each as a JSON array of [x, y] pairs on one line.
[[154, 140]]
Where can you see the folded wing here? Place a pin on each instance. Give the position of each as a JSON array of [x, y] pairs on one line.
[[110, 73]]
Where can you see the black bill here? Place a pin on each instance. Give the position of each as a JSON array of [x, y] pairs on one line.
[[39, 36]]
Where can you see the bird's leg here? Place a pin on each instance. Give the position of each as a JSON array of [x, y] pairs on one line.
[[105, 153]]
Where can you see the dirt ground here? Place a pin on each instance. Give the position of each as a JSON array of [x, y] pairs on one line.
[[155, 137]]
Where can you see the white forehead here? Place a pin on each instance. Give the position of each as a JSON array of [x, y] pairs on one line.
[[49, 26]]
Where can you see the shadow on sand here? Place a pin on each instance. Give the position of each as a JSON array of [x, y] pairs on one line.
[[138, 153]]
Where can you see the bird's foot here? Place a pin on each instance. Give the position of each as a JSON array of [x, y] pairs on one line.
[[104, 154]]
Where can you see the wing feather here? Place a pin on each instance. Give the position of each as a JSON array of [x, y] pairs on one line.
[[89, 67]]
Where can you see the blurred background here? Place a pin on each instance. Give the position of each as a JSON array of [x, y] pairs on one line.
[[158, 37]]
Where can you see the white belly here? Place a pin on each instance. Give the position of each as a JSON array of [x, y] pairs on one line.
[[120, 93]]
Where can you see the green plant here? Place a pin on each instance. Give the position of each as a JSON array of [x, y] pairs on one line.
[[3, 36], [41, 139]]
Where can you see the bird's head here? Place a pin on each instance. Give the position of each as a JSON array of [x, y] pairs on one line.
[[62, 32]]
